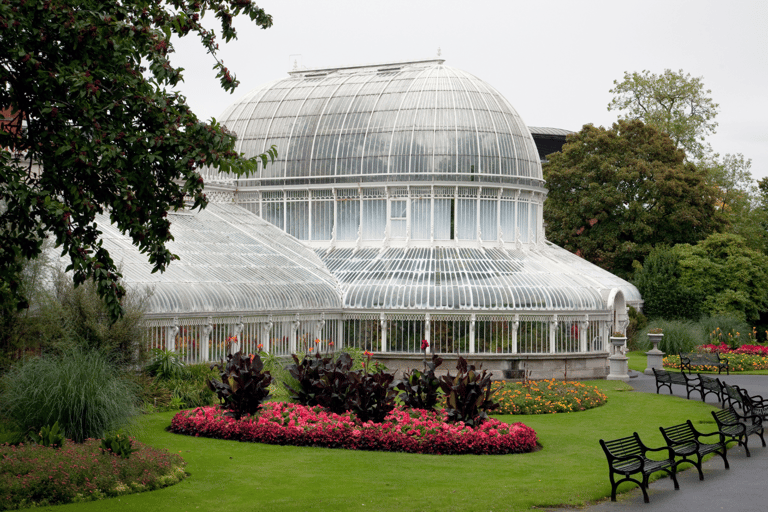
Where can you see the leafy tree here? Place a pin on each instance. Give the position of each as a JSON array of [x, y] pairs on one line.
[[731, 278], [616, 193], [658, 281], [673, 102], [94, 128], [738, 198]]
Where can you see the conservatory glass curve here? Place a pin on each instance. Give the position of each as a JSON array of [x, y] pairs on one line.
[[230, 262]]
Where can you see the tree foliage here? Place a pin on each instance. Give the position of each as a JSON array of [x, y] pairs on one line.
[[673, 102], [731, 278], [658, 281], [738, 198], [616, 193], [95, 129], [717, 276]]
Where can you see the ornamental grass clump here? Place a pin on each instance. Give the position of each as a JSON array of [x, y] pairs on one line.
[[36, 476], [84, 391], [545, 397]]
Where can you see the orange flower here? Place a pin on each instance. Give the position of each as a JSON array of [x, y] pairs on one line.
[[317, 341]]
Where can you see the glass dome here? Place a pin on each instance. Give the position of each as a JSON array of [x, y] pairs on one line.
[[413, 121]]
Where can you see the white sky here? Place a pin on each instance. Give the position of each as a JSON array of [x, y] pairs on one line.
[[553, 60]]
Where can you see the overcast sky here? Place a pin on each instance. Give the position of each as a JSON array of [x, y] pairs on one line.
[[555, 61]]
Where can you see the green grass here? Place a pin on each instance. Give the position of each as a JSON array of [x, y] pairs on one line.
[[570, 469]]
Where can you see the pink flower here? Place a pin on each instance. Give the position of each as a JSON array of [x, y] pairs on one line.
[[424, 344]]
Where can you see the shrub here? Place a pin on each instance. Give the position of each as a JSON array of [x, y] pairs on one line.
[[243, 385], [468, 394], [118, 444], [322, 380], [679, 336], [35, 476], [68, 316], [50, 436], [545, 397], [83, 390], [373, 394], [166, 365], [421, 389]]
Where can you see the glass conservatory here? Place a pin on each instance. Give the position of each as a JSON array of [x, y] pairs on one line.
[[405, 204]]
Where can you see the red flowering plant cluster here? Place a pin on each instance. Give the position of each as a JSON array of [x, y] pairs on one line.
[[403, 430], [752, 350]]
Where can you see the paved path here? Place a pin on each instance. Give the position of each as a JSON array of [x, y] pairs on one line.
[[743, 488]]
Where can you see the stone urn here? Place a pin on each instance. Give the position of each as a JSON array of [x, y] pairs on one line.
[[654, 357], [617, 342]]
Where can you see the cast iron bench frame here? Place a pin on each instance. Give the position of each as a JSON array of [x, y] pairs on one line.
[[627, 456], [665, 378], [709, 385], [691, 360], [685, 441], [738, 427]]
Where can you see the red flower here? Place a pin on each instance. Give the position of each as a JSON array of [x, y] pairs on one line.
[[424, 344], [330, 343]]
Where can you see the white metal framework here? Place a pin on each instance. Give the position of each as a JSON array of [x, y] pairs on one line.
[[406, 204]]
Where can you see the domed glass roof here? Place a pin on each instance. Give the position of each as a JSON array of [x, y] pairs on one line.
[[414, 121]]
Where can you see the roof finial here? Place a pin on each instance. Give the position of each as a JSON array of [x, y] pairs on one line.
[[439, 52]]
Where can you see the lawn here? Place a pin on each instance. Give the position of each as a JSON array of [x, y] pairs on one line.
[[570, 469]]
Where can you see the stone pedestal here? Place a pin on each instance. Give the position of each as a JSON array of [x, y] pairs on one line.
[[618, 365], [655, 357]]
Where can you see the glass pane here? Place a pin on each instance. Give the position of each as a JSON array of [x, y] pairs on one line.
[[298, 219], [488, 219], [443, 219], [421, 219], [349, 219], [522, 219], [374, 219], [322, 220], [508, 221], [466, 219]]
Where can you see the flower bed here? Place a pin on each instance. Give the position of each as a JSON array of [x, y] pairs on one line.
[[33, 475], [403, 430], [545, 397], [752, 350], [736, 362]]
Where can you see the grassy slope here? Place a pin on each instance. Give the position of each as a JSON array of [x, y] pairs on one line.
[[571, 468]]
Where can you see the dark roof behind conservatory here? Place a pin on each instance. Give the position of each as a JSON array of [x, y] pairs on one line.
[[412, 121], [231, 262]]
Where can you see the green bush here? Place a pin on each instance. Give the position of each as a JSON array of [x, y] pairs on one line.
[[63, 316], [679, 336], [83, 390], [166, 365]]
